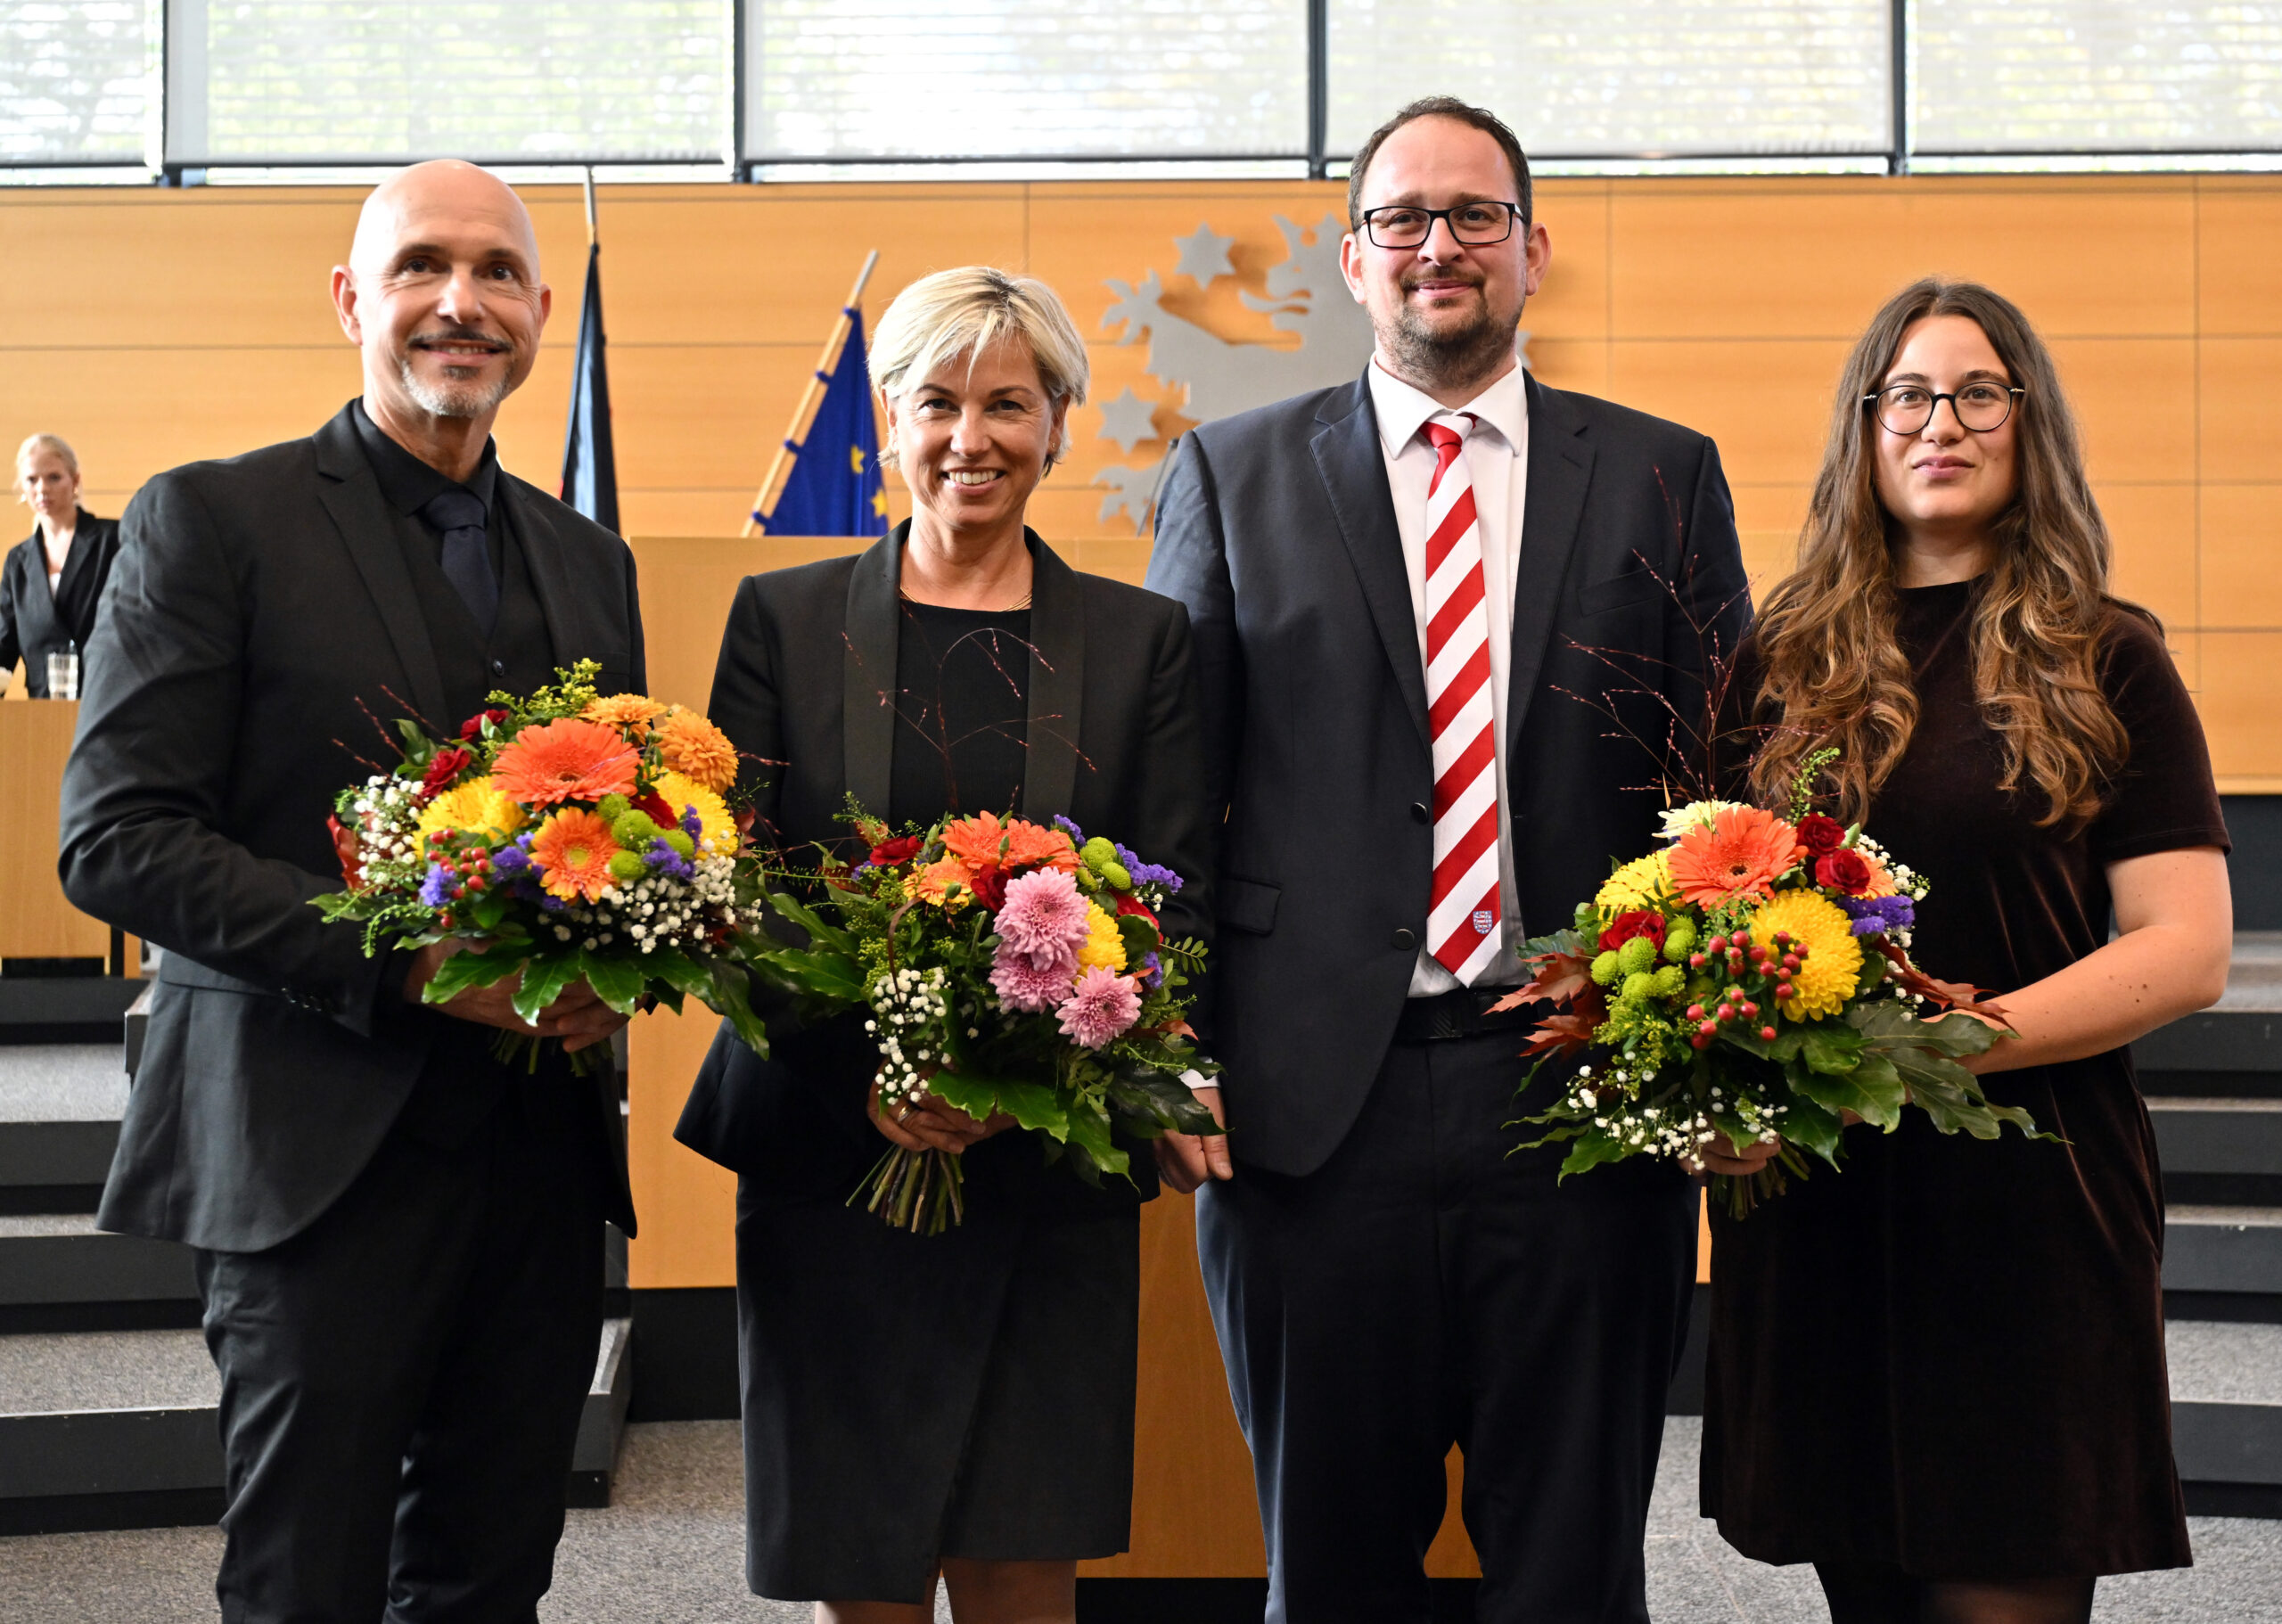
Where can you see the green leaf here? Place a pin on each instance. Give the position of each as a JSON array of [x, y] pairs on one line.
[[544, 981], [471, 968], [1089, 1132], [419, 749], [1140, 938], [1829, 1048], [820, 930], [1809, 1127], [1871, 1091], [617, 982], [1148, 1104], [1590, 1151], [728, 995]]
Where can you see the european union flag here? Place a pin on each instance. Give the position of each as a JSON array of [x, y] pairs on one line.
[[589, 464], [835, 488]]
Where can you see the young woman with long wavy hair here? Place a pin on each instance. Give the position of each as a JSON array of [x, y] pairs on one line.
[[1938, 1374]]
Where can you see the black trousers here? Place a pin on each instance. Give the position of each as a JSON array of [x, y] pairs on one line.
[[402, 1382], [1424, 1288]]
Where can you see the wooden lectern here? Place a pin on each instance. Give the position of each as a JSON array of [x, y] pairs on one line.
[[35, 921]]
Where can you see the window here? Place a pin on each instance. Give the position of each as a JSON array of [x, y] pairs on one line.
[[842, 79], [254, 82], [78, 82], [1628, 77], [2096, 78]]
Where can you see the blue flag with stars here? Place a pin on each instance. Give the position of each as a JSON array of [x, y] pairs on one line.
[[835, 488]]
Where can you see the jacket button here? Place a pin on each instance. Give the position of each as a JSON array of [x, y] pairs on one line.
[[1418, 813], [1407, 940], [498, 667]]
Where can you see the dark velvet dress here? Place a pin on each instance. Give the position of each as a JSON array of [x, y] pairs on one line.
[[969, 1394], [1949, 1355]]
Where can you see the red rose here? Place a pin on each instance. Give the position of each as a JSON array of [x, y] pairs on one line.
[[1139, 910], [887, 854], [653, 806], [1640, 922], [445, 767], [1821, 835], [990, 887], [474, 724], [1843, 871]]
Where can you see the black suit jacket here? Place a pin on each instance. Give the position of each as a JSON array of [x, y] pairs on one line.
[[1278, 530], [35, 623], [804, 687], [261, 623]]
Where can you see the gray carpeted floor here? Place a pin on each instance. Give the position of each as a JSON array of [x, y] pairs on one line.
[[671, 1552], [62, 1082]]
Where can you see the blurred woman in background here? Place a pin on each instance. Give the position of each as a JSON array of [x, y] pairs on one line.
[[52, 579]]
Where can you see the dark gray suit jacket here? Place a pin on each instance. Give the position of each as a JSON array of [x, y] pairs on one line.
[[1278, 530], [805, 688], [260, 625], [35, 621]]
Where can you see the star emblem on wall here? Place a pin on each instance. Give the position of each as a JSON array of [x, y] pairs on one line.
[[1129, 419], [1204, 255]]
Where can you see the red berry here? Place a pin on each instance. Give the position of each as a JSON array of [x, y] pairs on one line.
[[1727, 1012], [1759, 955], [1767, 1033], [1742, 939], [1695, 960], [1696, 1011], [1718, 944], [1705, 1030], [1751, 1010], [1790, 961], [1781, 936], [1699, 1042], [1782, 990]]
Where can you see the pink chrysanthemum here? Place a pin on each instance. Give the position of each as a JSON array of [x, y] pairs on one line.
[[1021, 985], [1043, 920], [1102, 1006]]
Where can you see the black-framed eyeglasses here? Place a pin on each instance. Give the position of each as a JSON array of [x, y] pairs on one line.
[[1474, 225], [1905, 408]]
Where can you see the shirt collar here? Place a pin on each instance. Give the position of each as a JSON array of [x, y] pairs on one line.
[[409, 484], [1402, 409]]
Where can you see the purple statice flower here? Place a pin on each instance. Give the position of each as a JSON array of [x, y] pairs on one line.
[[663, 859], [1103, 1005], [1021, 985], [435, 890], [1043, 920], [1148, 874], [691, 824], [511, 860], [1077, 835], [552, 903], [1879, 916], [1152, 972]]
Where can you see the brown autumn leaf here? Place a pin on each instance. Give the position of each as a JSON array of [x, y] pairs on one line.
[[1951, 995], [1565, 975], [1559, 1034]]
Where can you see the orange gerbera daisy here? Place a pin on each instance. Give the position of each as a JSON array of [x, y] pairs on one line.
[[1742, 854], [695, 748], [572, 851], [566, 760], [933, 882], [629, 711], [978, 841]]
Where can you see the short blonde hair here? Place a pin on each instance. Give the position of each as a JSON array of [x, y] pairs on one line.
[[39, 443], [964, 312]]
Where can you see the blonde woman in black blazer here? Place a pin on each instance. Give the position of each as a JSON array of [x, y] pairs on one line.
[[42, 613], [961, 1404]]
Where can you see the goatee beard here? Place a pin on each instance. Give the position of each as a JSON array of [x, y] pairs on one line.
[[1452, 358], [459, 400]]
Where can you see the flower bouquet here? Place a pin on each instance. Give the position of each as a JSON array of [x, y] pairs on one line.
[[1009, 967], [1753, 978], [566, 836]]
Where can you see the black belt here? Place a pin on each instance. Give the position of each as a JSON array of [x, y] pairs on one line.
[[1463, 1011]]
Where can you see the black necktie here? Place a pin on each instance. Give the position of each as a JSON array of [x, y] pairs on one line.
[[467, 555]]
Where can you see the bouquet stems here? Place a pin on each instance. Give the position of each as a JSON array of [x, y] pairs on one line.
[[522, 1048], [924, 1191]]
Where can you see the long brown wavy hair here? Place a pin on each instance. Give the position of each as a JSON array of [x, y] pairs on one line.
[[1832, 672]]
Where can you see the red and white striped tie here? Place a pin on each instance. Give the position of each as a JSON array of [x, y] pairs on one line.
[[1463, 910]]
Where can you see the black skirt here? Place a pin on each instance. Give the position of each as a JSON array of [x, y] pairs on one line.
[[911, 1398]]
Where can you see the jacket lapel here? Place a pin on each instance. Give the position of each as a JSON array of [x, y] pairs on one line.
[[1057, 683], [75, 568], [867, 669], [352, 497], [1560, 473], [1354, 472]]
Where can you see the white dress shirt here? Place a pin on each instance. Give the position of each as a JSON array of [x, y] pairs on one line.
[[1497, 459]]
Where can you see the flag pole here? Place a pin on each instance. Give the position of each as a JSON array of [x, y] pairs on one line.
[[590, 205], [785, 452]]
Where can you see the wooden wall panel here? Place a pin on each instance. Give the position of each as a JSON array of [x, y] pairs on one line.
[[1766, 401], [2237, 673], [2156, 545], [2239, 257], [35, 920], [2241, 555]]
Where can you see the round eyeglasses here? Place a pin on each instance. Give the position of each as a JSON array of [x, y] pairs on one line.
[[1905, 408], [1474, 225]]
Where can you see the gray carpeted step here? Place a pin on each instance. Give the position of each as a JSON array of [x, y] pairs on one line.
[[2227, 1410], [59, 1105], [58, 1272], [65, 1009], [2234, 1250], [119, 1429], [2219, 1135]]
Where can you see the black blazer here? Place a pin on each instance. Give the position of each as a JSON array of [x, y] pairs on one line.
[[807, 668], [261, 617], [1278, 530], [35, 623]]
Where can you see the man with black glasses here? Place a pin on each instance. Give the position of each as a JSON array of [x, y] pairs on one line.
[[1412, 597]]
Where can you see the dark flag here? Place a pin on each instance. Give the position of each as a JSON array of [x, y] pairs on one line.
[[835, 487], [589, 464]]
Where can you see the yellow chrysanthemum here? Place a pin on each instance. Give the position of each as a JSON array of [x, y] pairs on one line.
[[1644, 882], [718, 832], [1834, 960], [478, 806], [629, 710], [692, 746], [1103, 948]]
